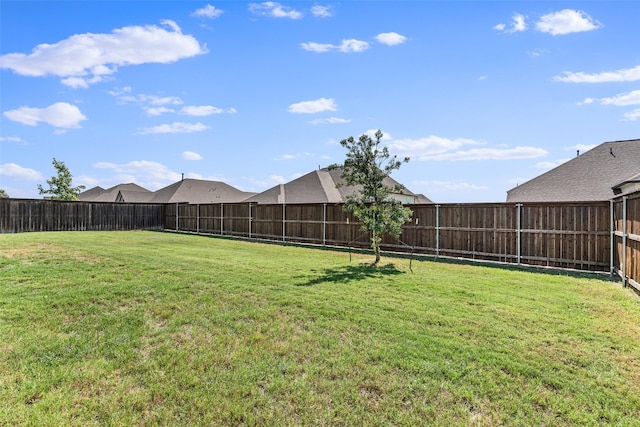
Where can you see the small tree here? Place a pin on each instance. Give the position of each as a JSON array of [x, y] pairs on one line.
[[60, 186], [366, 167], [3, 194]]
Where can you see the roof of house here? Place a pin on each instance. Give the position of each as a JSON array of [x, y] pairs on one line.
[[184, 191], [99, 194], [588, 177], [199, 191], [635, 178], [322, 186]]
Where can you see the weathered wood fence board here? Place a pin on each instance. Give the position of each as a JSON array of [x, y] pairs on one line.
[[626, 239], [566, 235], [23, 215]]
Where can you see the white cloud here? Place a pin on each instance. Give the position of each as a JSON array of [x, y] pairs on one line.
[[148, 174], [353, 45], [391, 39], [329, 121], [175, 127], [13, 170], [518, 24], [157, 111], [624, 75], [424, 148], [159, 100], [190, 155], [60, 115], [274, 10], [583, 148], [12, 139], [493, 154], [438, 148], [321, 11], [623, 99], [202, 110], [312, 107], [84, 59], [347, 46], [317, 47], [207, 12], [620, 100], [632, 115], [567, 21]]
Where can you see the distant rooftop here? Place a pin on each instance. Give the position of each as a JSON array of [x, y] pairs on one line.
[[323, 186], [591, 176]]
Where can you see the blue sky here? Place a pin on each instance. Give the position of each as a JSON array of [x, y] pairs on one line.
[[480, 95]]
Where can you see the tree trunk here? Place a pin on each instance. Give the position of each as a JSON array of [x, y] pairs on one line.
[[375, 243]]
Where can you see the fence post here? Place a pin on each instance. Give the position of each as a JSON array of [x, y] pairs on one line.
[[284, 225], [177, 216], [437, 231], [624, 241], [324, 225], [612, 238], [249, 220], [222, 219], [198, 218], [519, 233]]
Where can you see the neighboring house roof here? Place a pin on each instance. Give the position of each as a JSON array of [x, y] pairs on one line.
[[588, 177], [630, 185], [199, 191], [125, 196], [184, 191], [99, 194], [322, 186]]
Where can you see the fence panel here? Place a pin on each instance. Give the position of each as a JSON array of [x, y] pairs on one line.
[[566, 235], [25, 215], [626, 239]]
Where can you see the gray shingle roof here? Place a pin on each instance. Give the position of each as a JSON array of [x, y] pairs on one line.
[[319, 186], [587, 177], [199, 191], [185, 191], [98, 194]]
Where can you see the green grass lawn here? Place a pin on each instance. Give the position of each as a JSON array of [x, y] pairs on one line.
[[148, 328]]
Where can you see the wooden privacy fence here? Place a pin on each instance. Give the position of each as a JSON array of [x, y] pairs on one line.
[[22, 215], [626, 239], [565, 235]]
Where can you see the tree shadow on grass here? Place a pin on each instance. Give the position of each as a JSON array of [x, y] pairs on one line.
[[350, 273]]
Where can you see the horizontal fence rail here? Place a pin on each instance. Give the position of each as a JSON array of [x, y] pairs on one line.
[[23, 215], [625, 237], [564, 235]]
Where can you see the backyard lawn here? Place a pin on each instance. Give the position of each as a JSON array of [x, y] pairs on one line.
[[152, 328]]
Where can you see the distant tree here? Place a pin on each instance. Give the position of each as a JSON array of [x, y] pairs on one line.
[[60, 185], [3, 194], [366, 166]]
